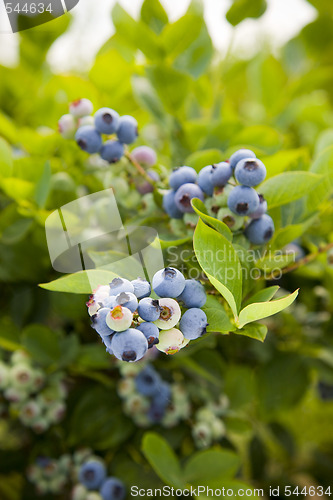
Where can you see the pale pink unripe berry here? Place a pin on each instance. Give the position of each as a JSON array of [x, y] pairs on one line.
[[170, 314], [81, 107], [145, 155], [119, 319], [171, 341], [67, 126]]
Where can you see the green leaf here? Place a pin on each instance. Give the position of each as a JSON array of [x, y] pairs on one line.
[[43, 186], [81, 282], [323, 165], [263, 295], [201, 159], [18, 189], [162, 459], [180, 35], [171, 85], [285, 160], [210, 465], [42, 344], [6, 159], [254, 331], [275, 262], [154, 15], [93, 356], [220, 262], [260, 310], [261, 137], [287, 234], [174, 243], [218, 320], [148, 99], [289, 186], [200, 209], [242, 9]]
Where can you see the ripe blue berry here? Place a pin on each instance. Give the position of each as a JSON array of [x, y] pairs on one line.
[[145, 155], [241, 154], [243, 200], [261, 230], [205, 180], [127, 299], [92, 474], [149, 309], [99, 322], [88, 139], [110, 302], [113, 489], [148, 381], [261, 210], [221, 173], [193, 323], [81, 107], [182, 175], [170, 206], [185, 194], [127, 131], [112, 151], [130, 345], [170, 314], [168, 282], [193, 295], [119, 319], [163, 395], [142, 288], [250, 172], [155, 412], [119, 285], [151, 332], [106, 121]]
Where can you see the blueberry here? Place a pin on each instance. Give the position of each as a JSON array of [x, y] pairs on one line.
[[170, 314], [171, 341], [145, 155], [239, 155], [250, 172], [261, 230], [243, 200], [151, 332], [113, 489], [110, 302], [142, 288], [107, 342], [119, 319], [193, 323], [185, 194], [193, 295], [106, 121], [149, 309], [145, 187], [130, 345], [127, 131], [112, 151], [92, 474], [155, 412], [88, 139], [67, 126], [99, 322], [170, 206], [81, 107], [233, 221], [221, 173], [182, 175], [261, 210], [168, 282], [127, 299], [119, 285], [163, 395], [148, 381], [205, 180]]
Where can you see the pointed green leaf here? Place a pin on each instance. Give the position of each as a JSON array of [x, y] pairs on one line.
[[205, 157], [322, 165], [6, 159], [218, 320], [254, 331], [263, 295], [200, 209], [82, 282], [242, 9], [260, 310], [178, 36], [208, 465], [275, 262], [154, 15]]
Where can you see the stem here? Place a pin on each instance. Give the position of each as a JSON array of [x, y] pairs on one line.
[[139, 168], [302, 262]]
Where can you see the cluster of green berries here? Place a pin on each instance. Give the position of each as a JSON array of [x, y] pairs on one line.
[[50, 475], [149, 400], [208, 423], [27, 392], [239, 206], [130, 321], [89, 131]]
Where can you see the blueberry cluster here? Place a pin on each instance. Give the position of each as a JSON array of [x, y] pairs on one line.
[[239, 206], [130, 321], [149, 400], [94, 484], [36, 398], [50, 475], [89, 130]]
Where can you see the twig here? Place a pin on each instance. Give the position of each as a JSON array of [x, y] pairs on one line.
[[139, 168]]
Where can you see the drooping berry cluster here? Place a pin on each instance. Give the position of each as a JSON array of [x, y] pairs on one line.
[[130, 321], [94, 484], [150, 400], [89, 131], [36, 398], [208, 424], [238, 206], [50, 475]]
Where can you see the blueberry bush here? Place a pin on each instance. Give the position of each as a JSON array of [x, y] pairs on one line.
[[212, 364]]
